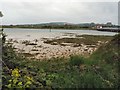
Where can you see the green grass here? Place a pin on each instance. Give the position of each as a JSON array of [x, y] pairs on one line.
[[76, 60], [87, 40]]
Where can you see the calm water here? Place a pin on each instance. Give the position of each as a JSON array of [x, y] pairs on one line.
[[17, 33]]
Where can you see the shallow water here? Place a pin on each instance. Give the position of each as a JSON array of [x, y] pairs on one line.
[[30, 34]]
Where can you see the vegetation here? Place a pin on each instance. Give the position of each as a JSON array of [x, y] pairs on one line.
[[61, 25], [100, 70], [18, 81], [80, 39], [49, 26]]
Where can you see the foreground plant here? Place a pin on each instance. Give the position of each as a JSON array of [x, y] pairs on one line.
[[19, 81]]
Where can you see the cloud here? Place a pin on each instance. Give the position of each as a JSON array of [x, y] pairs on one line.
[[69, 11]]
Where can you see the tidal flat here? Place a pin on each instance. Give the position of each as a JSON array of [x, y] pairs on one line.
[[64, 46]]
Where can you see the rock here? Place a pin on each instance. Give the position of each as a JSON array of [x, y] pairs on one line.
[[76, 45], [54, 43], [85, 49]]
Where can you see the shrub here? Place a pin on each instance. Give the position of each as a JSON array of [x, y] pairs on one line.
[[76, 60], [19, 81]]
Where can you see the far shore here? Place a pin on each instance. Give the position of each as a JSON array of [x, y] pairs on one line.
[[54, 28]]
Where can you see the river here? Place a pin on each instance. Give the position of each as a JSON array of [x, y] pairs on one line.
[[23, 33]]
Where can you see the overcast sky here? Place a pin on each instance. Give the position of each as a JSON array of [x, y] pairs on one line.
[[30, 12]]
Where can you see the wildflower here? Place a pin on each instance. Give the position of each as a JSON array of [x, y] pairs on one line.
[[15, 73]]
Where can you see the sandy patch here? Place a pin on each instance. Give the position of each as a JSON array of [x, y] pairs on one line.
[[39, 50]]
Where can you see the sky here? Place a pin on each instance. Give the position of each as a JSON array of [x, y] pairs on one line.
[[72, 11]]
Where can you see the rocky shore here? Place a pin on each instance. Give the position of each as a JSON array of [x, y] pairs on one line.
[[39, 49]]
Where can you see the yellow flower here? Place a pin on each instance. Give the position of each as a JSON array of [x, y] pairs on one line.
[[15, 73]]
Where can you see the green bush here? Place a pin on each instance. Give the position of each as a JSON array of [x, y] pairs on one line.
[[76, 60]]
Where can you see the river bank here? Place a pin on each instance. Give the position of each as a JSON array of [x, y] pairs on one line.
[[100, 70], [64, 46]]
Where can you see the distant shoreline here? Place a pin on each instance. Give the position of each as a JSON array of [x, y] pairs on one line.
[[53, 28]]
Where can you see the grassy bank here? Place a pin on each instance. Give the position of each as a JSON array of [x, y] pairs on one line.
[[80, 39], [100, 70]]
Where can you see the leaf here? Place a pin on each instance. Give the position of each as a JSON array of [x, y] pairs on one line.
[[9, 85]]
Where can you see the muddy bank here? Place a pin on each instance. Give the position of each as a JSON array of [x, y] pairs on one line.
[[46, 48]]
